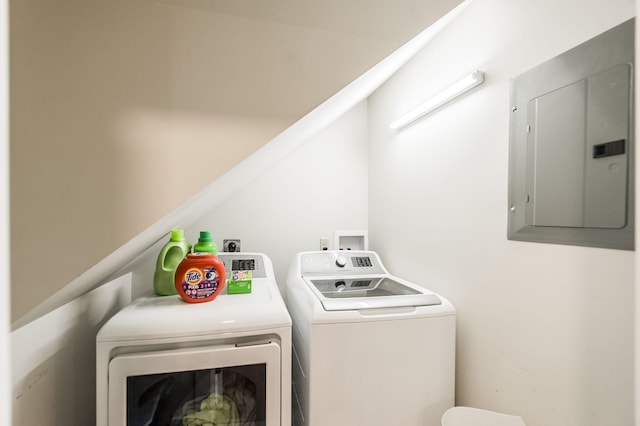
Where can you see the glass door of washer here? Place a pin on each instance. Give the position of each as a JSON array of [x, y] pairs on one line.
[[220, 385]]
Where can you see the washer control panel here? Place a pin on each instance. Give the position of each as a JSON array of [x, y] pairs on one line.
[[340, 263]]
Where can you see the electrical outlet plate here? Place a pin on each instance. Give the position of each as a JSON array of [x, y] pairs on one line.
[[324, 244], [231, 245]]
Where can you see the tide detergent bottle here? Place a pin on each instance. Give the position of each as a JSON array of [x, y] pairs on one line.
[[168, 260], [201, 276]]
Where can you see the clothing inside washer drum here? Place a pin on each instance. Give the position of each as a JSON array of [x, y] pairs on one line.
[[228, 398]]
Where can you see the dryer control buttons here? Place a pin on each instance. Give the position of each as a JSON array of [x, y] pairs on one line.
[[341, 261]]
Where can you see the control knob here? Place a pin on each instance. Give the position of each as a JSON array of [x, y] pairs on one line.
[[341, 261]]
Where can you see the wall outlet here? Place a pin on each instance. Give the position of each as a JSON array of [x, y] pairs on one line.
[[324, 244], [231, 245]]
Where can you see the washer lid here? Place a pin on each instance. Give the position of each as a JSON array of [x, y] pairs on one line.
[[340, 294]]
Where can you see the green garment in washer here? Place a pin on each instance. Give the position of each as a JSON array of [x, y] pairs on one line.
[[215, 410]]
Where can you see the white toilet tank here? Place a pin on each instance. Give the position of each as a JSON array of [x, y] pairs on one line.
[[467, 416]]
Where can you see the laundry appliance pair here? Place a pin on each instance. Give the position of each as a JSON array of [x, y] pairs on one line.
[[361, 347]]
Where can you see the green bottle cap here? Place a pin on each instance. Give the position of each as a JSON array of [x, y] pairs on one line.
[[205, 237], [177, 235]]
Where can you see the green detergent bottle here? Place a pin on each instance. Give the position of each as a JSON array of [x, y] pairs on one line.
[[205, 244], [168, 260]]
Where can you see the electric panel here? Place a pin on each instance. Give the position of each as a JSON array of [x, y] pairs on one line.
[[571, 141]]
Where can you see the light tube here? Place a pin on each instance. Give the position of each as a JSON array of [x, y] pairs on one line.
[[456, 89]]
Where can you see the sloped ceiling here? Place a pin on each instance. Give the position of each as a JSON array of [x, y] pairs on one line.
[[291, 55], [392, 21], [107, 96]]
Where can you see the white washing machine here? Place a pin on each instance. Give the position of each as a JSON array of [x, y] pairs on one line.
[[369, 348], [161, 360]]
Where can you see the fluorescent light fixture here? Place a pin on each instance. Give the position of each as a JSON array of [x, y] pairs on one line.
[[456, 89]]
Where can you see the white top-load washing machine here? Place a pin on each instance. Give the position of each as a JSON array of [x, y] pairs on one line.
[[162, 361], [369, 348]]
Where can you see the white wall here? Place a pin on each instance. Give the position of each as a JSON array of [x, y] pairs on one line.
[[544, 331], [322, 187], [54, 358]]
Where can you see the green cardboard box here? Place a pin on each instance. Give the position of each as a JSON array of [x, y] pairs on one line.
[[239, 282]]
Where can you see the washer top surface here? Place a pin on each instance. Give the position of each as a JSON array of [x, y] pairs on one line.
[[349, 280], [160, 317]]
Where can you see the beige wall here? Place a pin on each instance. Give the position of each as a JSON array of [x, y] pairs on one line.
[[122, 110]]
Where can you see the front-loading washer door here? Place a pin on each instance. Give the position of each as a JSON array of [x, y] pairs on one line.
[[228, 384]]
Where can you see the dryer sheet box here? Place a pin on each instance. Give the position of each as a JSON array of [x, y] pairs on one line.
[[239, 282]]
